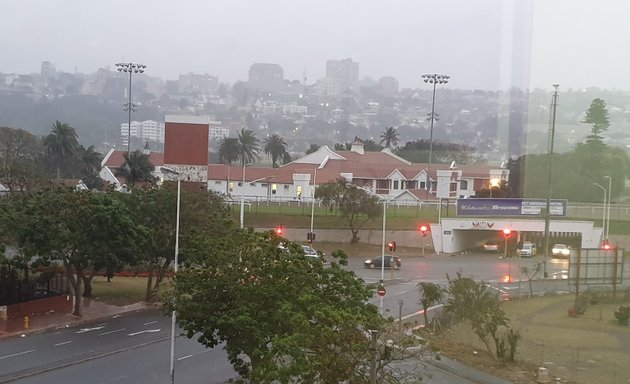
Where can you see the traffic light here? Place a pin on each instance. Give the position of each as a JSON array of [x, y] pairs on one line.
[[507, 233], [313, 236], [423, 230], [279, 230], [391, 246]]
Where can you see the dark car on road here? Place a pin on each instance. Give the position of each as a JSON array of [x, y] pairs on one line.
[[377, 262]]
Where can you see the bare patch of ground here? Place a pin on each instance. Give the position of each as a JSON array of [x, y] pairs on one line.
[[591, 348]]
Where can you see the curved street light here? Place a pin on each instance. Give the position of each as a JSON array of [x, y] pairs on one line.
[[129, 68], [604, 226], [167, 170], [608, 210], [434, 79], [385, 201]]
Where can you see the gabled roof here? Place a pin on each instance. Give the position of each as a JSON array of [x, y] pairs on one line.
[[116, 159], [318, 157], [282, 175]]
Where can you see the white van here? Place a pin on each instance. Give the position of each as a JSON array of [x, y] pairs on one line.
[[527, 250]]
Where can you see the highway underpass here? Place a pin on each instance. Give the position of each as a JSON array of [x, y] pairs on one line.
[[462, 234]]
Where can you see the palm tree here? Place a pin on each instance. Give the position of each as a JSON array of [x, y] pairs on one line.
[[276, 147], [137, 168], [229, 150], [389, 137], [91, 160], [61, 144], [248, 147]]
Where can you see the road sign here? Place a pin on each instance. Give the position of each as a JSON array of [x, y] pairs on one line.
[[381, 291]]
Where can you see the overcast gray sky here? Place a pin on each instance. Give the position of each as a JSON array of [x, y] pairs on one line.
[[484, 44]]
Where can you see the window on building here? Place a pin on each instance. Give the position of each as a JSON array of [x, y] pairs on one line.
[[218, 182], [299, 191], [395, 184], [231, 187], [274, 188], [463, 184], [264, 185], [423, 185], [240, 183], [286, 187]]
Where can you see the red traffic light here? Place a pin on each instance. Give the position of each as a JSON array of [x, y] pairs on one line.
[[391, 246], [507, 233], [279, 231], [423, 230]]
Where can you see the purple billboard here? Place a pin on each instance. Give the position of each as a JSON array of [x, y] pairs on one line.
[[510, 207]]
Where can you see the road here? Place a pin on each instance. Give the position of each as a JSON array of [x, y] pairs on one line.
[[401, 284], [130, 349], [135, 348]]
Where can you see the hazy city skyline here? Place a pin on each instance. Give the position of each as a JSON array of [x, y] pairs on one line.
[[482, 44]]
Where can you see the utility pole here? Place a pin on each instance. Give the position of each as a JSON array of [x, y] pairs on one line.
[[552, 131], [374, 348]]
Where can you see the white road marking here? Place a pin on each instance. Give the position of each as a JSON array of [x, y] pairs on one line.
[[150, 322], [184, 357], [145, 331], [64, 343], [16, 354], [83, 330], [114, 331]]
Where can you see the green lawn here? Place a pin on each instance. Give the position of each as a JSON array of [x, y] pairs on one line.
[[120, 290], [292, 215]]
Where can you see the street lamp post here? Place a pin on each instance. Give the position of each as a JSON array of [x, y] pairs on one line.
[[434, 79], [242, 213], [604, 226], [385, 201], [313, 203], [608, 210], [552, 131], [129, 68], [176, 264]]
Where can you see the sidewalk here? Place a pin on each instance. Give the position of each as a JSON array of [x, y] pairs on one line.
[[91, 310]]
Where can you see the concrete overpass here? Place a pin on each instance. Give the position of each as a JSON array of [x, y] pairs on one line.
[[460, 234]]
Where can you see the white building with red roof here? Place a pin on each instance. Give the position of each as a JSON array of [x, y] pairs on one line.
[[382, 173]]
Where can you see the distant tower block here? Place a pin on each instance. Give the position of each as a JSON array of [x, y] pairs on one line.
[[186, 146]]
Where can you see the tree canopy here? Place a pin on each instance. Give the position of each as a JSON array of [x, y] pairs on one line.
[[276, 148], [389, 137], [249, 147], [357, 206], [282, 317]]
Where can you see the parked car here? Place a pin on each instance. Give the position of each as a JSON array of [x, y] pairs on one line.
[[560, 250], [491, 246], [377, 262], [527, 250], [313, 253]]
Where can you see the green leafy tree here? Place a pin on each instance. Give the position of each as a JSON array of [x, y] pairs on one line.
[[78, 229], [282, 318], [357, 206], [313, 148], [249, 148], [229, 150], [473, 302], [21, 156], [597, 116], [90, 167], [155, 210], [137, 168], [430, 294], [276, 147], [389, 137], [61, 145]]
